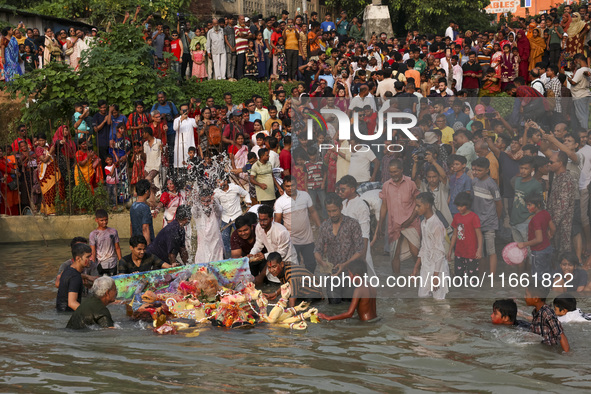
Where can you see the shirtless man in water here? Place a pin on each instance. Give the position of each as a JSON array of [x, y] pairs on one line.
[[364, 297]]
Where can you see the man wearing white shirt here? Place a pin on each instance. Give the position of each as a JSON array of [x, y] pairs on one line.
[[295, 208], [228, 196], [274, 237], [216, 50], [361, 159], [537, 83], [271, 145], [153, 152], [387, 84], [449, 32], [355, 207], [184, 139], [580, 90], [362, 99]]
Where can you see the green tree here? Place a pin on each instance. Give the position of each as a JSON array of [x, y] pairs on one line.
[[100, 12], [426, 16]]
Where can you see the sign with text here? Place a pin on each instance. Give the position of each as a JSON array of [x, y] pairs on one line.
[[502, 6]]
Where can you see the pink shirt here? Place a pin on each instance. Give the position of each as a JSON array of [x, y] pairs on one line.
[[400, 200]]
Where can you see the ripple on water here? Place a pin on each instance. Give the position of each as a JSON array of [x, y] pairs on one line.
[[418, 345]]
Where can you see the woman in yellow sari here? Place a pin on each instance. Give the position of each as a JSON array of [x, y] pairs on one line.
[[537, 46], [49, 175], [84, 169]]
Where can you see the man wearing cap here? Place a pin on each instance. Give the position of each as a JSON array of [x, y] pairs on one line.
[[233, 128], [216, 50]]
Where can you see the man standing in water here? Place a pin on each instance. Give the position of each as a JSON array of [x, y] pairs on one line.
[[69, 293], [340, 239], [208, 217], [398, 196], [93, 310]]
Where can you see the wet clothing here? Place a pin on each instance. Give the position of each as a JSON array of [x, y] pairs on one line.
[[70, 282], [91, 311]]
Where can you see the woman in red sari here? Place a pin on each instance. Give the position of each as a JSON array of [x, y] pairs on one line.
[[49, 175], [8, 197]]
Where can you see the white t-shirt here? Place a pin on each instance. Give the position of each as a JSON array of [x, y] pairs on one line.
[[359, 165], [153, 155], [274, 159], [229, 200], [581, 89], [295, 216]]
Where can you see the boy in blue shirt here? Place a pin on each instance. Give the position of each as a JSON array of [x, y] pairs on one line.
[[459, 181]]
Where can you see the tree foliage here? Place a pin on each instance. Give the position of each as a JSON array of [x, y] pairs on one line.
[[100, 12], [431, 16]]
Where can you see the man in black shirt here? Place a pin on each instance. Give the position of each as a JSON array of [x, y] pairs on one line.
[[139, 260], [171, 240], [93, 310], [69, 293]]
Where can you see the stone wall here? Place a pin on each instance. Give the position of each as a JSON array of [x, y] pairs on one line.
[[15, 229]]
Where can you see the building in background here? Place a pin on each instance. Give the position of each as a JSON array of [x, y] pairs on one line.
[[523, 8], [254, 7], [41, 22]]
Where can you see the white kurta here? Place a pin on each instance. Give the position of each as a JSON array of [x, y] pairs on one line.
[[358, 210], [432, 254], [183, 140], [210, 246]]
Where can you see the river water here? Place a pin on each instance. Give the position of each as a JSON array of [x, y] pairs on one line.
[[418, 345]]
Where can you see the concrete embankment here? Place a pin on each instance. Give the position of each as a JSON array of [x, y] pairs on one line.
[[14, 229]]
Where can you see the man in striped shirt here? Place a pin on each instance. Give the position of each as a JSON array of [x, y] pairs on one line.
[[294, 274], [242, 35]]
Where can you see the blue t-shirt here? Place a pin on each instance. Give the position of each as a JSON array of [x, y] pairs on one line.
[[329, 79], [140, 214], [328, 26], [166, 110], [254, 116], [456, 186]]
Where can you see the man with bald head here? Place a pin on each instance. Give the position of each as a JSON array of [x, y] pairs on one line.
[[560, 131], [216, 50], [362, 99], [482, 150]]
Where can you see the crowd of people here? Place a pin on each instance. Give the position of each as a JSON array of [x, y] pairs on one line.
[[473, 179]]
